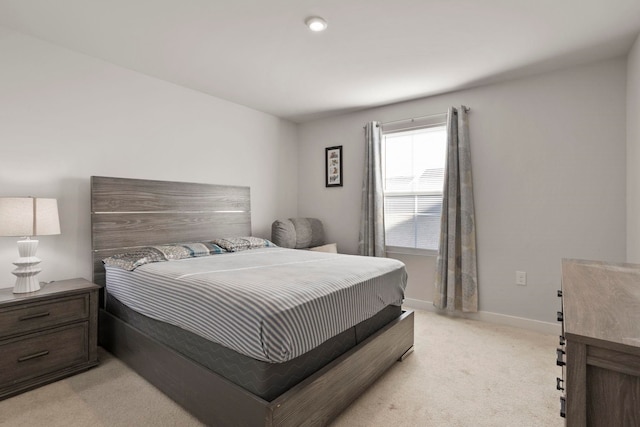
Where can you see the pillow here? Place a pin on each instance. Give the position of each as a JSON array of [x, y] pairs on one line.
[[236, 244], [197, 249], [258, 242], [213, 248], [329, 247], [135, 258], [172, 252], [283, 233], [309, 232], [297, 233], [189, 250], [232, 244]]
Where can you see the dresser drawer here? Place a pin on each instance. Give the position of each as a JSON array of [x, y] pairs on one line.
[[37, 315], [41, 353]]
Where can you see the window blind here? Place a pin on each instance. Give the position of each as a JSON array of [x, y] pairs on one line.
[[413, 178]]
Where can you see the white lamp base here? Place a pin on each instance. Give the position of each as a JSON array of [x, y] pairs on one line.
[[27, 267]]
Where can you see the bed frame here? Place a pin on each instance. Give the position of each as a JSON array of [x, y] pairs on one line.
[[130, 213]]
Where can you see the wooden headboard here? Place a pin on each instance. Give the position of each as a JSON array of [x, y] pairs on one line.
[[130, 213]]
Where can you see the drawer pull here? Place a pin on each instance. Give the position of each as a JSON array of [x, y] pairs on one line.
[[560, 316], [559, 361], [559, 382], [33, 356], [559, 293], [563, 407], [34, 316], [562, 340]]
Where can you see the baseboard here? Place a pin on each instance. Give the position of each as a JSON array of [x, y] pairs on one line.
[[486, 316]]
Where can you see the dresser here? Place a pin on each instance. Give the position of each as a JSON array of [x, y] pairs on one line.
[[47, 335], [599, 349]]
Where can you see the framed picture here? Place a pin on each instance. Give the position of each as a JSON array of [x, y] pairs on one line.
[[333, 166]]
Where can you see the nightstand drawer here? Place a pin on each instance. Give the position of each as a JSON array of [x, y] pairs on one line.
[[42, 353], [38, 315]]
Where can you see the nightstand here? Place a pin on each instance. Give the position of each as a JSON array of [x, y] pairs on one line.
[[47, 335]]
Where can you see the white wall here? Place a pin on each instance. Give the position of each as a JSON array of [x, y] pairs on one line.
[[548, 157], [65, 117], [633, 153]]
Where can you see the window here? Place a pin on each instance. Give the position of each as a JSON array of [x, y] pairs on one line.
[[413, 174]]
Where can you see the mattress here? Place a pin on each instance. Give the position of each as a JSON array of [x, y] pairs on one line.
[[266, 380], [270, 304]]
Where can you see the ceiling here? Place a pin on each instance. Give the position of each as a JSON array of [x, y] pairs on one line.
[[259, 53]]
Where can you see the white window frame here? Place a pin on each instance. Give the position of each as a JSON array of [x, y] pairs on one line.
[[432, 121]]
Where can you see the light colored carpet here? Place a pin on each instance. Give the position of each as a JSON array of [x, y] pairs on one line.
[[462, 373]]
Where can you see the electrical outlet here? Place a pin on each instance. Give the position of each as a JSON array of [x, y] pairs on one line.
[[521, 278]]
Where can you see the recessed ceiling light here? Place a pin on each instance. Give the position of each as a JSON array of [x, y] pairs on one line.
[[315, 23]]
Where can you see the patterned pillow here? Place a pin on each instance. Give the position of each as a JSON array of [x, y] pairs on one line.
[[133, 259], [257, 242], [198, 249], [235, 244], [189, 250], [213, 248], [173, 252]]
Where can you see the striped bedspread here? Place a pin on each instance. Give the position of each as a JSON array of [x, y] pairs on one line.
[[271, 304]]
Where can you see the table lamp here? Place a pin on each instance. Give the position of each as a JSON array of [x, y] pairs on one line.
[[27, 217]]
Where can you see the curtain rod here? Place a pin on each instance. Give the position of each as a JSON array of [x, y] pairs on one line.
[[466, 109]]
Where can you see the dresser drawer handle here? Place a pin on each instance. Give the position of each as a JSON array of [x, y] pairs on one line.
[[560, 353], [33, 356], [34, 316]]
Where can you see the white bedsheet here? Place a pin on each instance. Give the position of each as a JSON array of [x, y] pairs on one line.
[[272, 304]]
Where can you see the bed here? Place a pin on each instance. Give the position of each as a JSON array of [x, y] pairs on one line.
[[214, 382]]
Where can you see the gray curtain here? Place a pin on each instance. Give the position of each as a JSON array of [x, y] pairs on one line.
[[457, 273], [371, 240]]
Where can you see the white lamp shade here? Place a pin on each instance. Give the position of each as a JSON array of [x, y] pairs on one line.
[[28, 216]]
